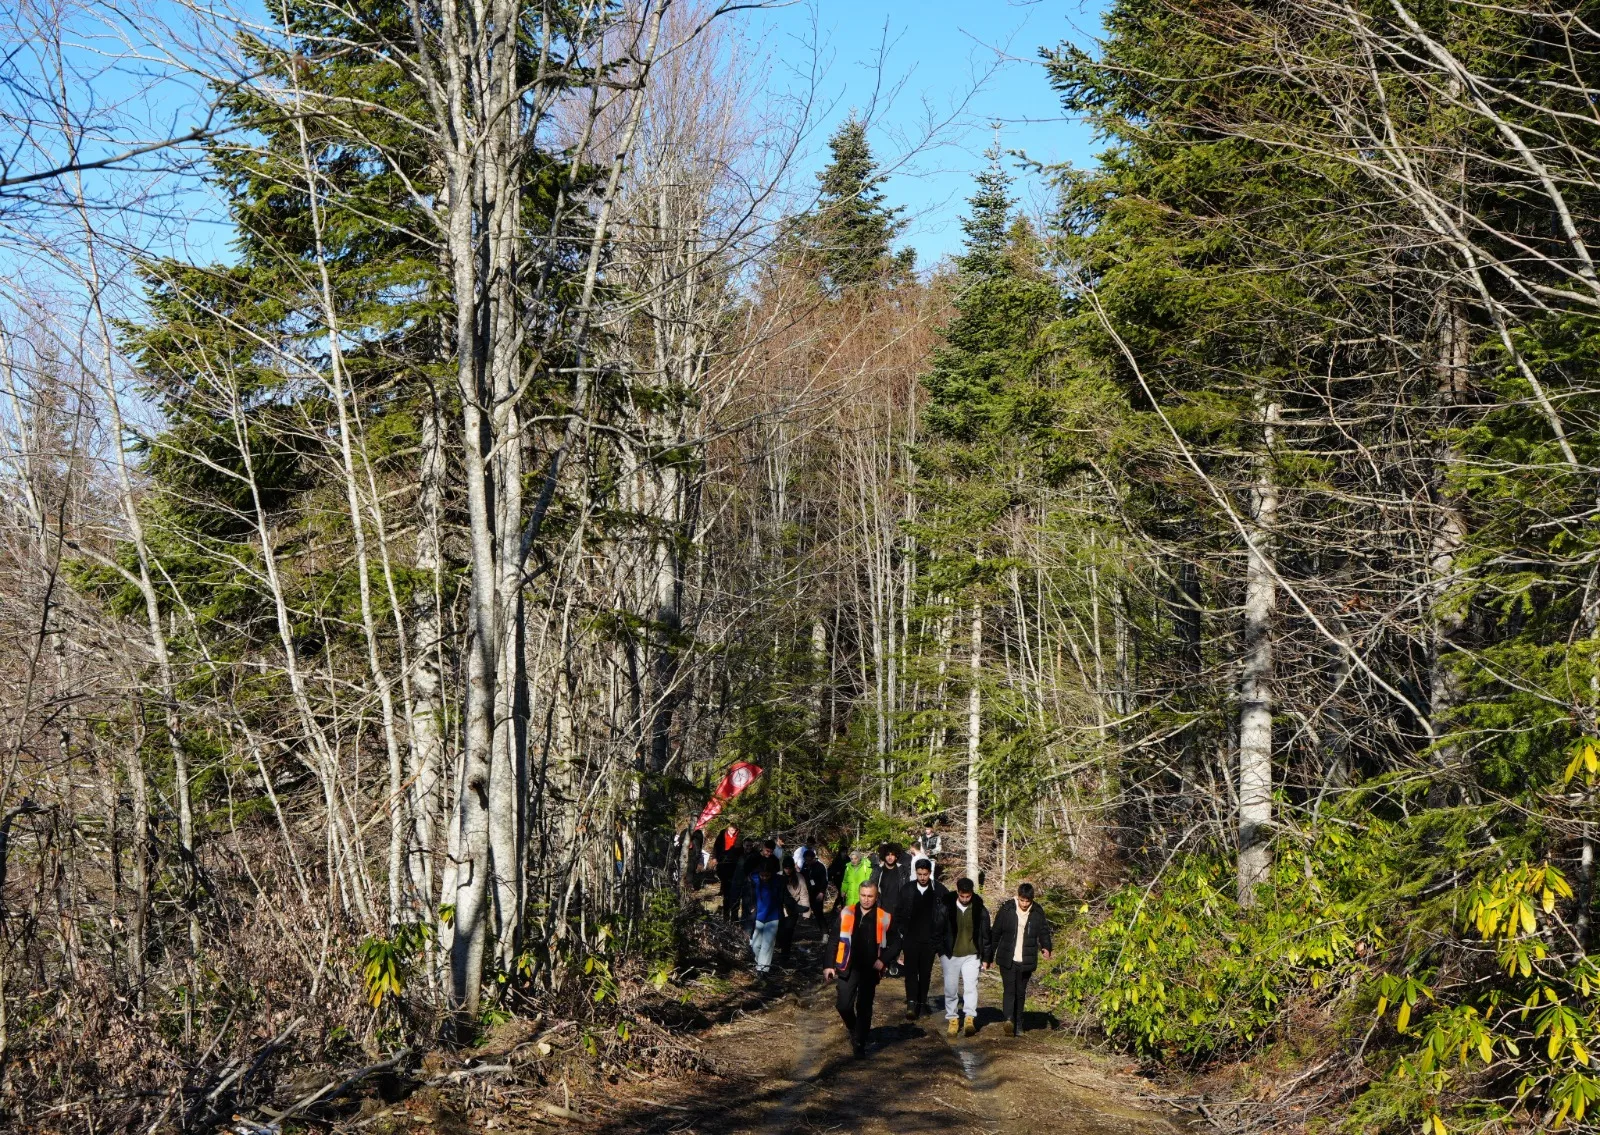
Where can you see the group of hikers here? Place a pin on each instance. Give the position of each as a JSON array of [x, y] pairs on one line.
[[890, 912]]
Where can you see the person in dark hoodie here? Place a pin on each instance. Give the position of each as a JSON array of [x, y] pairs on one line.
[[966, 944], [891, 877], [859, 950], [922, 915], [816, 876], [1021, 936]]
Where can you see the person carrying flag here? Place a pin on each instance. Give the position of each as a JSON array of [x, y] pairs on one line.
[[728, 851], [729, 856]]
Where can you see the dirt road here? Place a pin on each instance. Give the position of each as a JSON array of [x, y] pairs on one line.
[[788, 1068]]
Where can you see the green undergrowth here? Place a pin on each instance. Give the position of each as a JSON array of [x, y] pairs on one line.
[[1443, 951], [1176, 971]]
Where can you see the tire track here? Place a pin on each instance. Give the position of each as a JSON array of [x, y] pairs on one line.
[[810, 1045]]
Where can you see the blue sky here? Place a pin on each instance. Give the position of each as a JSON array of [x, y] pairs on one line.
[[949, 69], [932, 76]]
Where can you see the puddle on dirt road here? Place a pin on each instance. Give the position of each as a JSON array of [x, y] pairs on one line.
[[976, 1070], [971, 1063]]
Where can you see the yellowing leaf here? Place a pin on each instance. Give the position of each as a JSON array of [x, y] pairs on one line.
[[1404, 1017], [1528, 925], [1486, 1049]]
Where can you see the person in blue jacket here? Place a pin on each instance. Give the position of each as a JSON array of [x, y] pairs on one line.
[[770, 900]]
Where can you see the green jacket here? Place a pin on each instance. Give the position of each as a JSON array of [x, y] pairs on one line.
[[854, 875]]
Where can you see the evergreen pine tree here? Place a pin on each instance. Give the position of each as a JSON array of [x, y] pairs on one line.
[[847, 240], [987, 415], [983, 388]]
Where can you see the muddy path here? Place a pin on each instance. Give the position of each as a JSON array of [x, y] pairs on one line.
[[787, 1067]]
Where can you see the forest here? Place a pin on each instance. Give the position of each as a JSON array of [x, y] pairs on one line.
[[388, 582]]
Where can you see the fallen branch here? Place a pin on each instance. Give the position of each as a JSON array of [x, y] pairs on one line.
[[236, 1072], [331, 1090], [466, 1073]]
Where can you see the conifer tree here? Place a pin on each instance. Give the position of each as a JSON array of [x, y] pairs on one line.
[[848, 240], [986, 415]]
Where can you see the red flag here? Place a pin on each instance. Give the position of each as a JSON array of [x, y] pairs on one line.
[[741, 776]]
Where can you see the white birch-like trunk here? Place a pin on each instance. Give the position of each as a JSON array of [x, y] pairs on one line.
[[1255, 686], [1449, 534], [974, 737], [819, 671], [426, 752]]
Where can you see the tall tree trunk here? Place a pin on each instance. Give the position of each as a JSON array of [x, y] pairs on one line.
[[1189, 625], [1449, 534], [427, 748], [974, 737], [139, 846], [819, 679], [1255, 686]]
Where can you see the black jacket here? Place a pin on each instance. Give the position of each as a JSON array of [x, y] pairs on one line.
[[937, 929], [858, 960], [891, 883], [1003, 937], [729, 861], [982, 929], [816, 875]]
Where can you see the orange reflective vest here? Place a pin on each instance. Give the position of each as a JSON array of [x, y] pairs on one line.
[[847, 929]]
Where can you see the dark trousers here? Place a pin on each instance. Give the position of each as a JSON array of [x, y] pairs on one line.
[[919, 970], [730, 896], [1014, 986], [786, 927], [856, 991]]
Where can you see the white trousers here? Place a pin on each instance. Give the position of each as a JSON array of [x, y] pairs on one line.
[[960, 976], [761, 943]]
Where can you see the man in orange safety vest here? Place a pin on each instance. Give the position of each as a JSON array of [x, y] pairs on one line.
[[860, 949]]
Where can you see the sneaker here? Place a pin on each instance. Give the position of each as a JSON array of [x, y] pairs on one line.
[[972, 1027], [911, 1012], [859, 1051], [1009, 1029], [954, 1027]]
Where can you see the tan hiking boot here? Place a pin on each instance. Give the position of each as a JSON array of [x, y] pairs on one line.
[[972, 1027], [955, 1026], [1010, 1029]]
